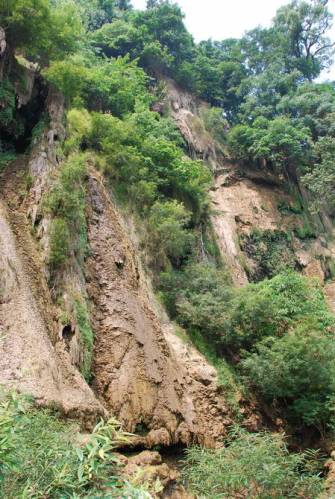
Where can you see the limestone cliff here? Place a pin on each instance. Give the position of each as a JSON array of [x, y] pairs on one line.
[[142, 373], [246, 199]]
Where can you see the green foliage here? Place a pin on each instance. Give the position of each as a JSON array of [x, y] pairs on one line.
[[41, 456], [279, 142], [303, 26], [320, 179], [98, 12], [305, 231], [271, 251], [167, 230], [215, 122], [86, 336], [288, 208], [40, 29], [272, 307], [297, 370], [7, 99], [59, 243], [66, 203], [5, 157], [279, 327], [255, 465], [142, 154], [105, 85], [79, 125], [199, 297]]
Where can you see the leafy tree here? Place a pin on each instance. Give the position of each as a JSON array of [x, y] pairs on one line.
[[103, 85], [199, 297], [304, 26], [42, 31], [279, 142], [97, 13], [313, 106], [272, 307]]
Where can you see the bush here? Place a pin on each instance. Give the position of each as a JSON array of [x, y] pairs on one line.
[[272, 307], [78, 126], [167, 230], [279, 142], [66, 202], [251, 465], [7, 99], [199, 297], [298, 371], [59, 243], [103, 85]]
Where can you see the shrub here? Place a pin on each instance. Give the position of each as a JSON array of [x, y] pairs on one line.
[[66, 202], [78, 126], [167, 230], [199, 297], [272, 307], [297, 370], [103, 85], [59, 243], [251, 465], [6, 157], [7, 99]]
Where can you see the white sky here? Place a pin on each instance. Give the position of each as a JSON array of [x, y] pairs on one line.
[[219, 19]]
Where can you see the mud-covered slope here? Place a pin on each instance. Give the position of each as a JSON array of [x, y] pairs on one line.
[[147, 384], [33, 359]]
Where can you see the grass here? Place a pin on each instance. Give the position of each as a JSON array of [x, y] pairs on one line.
[[42, 456], [86, 336], [252, 465]]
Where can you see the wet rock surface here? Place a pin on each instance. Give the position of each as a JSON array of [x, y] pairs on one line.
[[150, 381]]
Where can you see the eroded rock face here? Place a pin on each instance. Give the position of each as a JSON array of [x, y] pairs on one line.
[[185, 111], [248, 199], [148, 382], [243, 205], [33, 355], [29, 360]]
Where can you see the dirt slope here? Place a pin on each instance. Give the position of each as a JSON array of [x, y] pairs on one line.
[[161, 390], [32, 357]]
